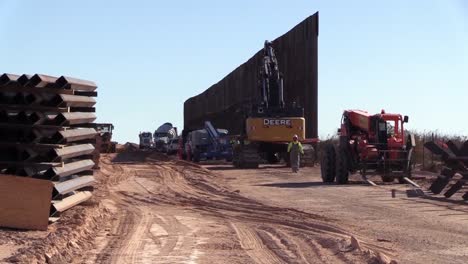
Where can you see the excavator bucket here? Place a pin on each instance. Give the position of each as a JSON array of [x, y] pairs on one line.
[[24, 202]]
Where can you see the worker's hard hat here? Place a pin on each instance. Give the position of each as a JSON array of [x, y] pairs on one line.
[[295, 136]]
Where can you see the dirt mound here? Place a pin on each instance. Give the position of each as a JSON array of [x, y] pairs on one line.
[[129, 146]]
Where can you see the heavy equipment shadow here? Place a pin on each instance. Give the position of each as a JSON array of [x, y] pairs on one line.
[[444, 204], [309, 184], [230, 167], [429, 198], [139, 156], [220, 168]]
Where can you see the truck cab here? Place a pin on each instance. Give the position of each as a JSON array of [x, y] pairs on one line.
[[146, 140]]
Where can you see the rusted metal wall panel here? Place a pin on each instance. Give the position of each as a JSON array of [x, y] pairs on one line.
[[224, 102], [24, 202]]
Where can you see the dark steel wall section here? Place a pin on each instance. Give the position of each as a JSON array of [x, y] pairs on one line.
[[225, 103]]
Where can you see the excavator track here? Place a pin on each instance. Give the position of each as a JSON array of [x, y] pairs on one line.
[[245, 156], [309, 157]]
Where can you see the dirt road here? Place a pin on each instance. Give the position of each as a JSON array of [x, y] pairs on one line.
[[174, 212], [148, 208], [427, 229]]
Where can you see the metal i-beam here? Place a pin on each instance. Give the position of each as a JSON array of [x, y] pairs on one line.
[[443, 180], [69, 202], [84, 93], [41, 81], [70, 152], [437, 149], [69, 169], [75, 84], [456, 162], [72, 185], [66, 100], [24, 79], [7, 78], [75, 118], [73, 135], [24, 99]]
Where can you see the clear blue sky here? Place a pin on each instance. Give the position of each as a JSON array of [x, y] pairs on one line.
[[148, 57]]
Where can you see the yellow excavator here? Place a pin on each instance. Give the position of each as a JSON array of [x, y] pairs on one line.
[[270, 124]]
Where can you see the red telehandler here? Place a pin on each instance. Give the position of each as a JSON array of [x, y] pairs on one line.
[[369, 144]]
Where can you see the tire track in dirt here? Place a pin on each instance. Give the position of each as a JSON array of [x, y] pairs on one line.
[[266, 234], [231, 205], [118, 238], [253, 245]]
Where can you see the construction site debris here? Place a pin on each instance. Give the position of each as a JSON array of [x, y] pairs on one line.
[[453, 177]]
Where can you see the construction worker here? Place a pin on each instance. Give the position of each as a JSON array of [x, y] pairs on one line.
[[295, 150]]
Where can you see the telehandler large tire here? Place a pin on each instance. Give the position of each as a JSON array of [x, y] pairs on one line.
[[327, 163], [342, 169]]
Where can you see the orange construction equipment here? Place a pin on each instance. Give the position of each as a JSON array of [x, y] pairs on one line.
[[369, 143]]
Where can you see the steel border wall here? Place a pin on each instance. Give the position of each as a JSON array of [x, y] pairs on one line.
[[225, 102]]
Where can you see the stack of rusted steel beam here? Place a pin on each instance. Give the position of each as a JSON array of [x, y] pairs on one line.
[[454, 175], [47, 134]]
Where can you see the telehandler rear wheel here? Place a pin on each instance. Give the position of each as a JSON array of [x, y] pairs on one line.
[[342, 170], [327, 164]]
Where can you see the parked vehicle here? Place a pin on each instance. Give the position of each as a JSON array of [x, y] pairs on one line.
[[208, 143], [173, 146], [369, 144], [146, 140], [163, 135]]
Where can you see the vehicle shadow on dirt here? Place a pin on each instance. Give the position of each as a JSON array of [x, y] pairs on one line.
[[309, 184], [130, 157], [230, 167]]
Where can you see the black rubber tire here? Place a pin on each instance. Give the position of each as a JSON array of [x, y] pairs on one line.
[[341, 164], [409, 174], [327, 164]]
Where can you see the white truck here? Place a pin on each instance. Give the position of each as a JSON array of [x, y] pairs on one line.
[[146, 140], [173, 146], [163, 135]]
